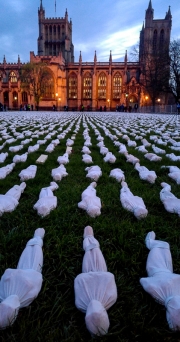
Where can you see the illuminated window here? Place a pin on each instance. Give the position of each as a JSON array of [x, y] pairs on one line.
[[12, 77], [117, 86], [47, 85], [102, 86], [87, 86], [72, 86]]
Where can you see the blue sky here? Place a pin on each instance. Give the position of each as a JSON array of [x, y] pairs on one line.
[[100, 25]]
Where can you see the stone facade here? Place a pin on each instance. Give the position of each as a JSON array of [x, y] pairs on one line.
[[91, 84]]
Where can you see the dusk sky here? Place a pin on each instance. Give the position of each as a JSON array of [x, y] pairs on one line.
[[100, 25]]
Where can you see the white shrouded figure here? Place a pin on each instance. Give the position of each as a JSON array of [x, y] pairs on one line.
[[170, 201], [162, 284], [47, 201], [87, 159], [145, 174], [59, 173], [152, 157], [94, 172], [3, 157], [9, 201], [132, 203], [34, 148], [6, 170], [174, 173], [95, 288], [131, 159], [110, 157], [28, 173], [90, 202], [63, 159], [20, 286], [20, 158], [118, 174], [86, 150]]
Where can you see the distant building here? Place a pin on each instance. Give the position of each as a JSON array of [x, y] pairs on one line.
[[93, 84]]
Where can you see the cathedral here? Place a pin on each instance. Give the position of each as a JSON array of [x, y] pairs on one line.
[[93, 85]]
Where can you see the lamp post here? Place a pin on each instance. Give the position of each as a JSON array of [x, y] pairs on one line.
[[59, 99], [108, 103], [56, 101], [126, 102], [146, 99]]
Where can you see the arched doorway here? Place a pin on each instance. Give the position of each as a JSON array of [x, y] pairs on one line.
[[15, 100], [6, 99]]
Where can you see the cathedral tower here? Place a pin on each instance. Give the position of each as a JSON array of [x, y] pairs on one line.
[[55, 36], [155, 33]]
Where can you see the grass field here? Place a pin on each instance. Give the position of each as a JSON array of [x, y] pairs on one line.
[[53, 317]]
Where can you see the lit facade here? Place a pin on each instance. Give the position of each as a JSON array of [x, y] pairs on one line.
[[91, 84]]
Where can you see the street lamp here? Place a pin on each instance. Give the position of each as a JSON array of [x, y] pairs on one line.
[[108, 103], [146, 99], [56, 101], [59, 99]]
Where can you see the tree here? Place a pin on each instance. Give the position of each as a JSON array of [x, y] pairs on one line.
[[174, 63], [31, 76]]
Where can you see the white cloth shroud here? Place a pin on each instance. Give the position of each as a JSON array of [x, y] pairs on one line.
[[47, 201], [161, 283], [19, 287], [95, 288]]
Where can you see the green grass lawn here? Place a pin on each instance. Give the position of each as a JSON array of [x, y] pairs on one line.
[[53, 317]]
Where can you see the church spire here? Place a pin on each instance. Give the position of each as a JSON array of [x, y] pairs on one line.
[[150, 5], [80, 58], [41, 6], [95, 57]]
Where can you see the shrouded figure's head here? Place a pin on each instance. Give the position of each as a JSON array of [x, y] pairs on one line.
[[173, 312], [97, 320]]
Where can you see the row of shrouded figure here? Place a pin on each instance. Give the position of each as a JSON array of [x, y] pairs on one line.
[[95, 288]]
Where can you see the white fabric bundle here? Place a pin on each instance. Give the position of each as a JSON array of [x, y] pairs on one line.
[[145, 143], [9, 201], [26, 141], [63, 159], [34, 148], [123, 149], [131, 143], [47, 201], [20, 158], [95, 288], [41, 142], [50, 148], [173, 157], [131, 159], [141, 149], [55, 142], [170, 201], [15, 148], [145, 174], [6, 170], [87, 159], [94, 172], [158, 150], [90, 202], [69, 142], [19, 287], [88, 142], [118, 174], [59, 173], [134, 204], [86, 150], [28, 173], [162, 284], [152, 157], [3, 157], [109, 158], [103, 150]]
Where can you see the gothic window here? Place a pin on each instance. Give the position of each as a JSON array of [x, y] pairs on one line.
[[54, 31], [161, 41], [117, 86], [50, 32], [46, 32], [59, 32], [102, 86], [72, 86], [12, 77], [87, 86], [24, 97], [155, 41], [47, 85]]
